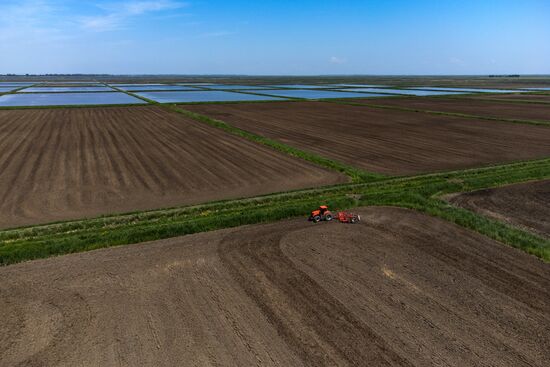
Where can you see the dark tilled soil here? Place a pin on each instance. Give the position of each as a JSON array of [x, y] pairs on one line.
[[521, 97], [526, 205], [58, 164], [470, 106], [386, 141], [398, 289]]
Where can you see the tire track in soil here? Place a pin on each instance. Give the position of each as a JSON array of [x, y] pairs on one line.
[[400, 288], [313, 323], [439, 294]]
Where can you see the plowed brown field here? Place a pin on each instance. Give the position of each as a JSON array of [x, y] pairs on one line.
[[58, 164], [399, 289], [470, 106], [385, 141], [521, 97], [526, 205]]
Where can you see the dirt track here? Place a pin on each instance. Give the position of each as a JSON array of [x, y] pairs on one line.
[[72, 163], [398, 289], [385, 141], [526, 205], [469, 106]]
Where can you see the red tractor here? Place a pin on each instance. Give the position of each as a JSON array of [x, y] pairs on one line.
[[324, 214]]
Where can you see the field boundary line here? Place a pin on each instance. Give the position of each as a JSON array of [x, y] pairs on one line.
[[441, 113], [14, 91], [410, 192], [450, 175], [52, 107], [500, 231], [71, 92], [513, 101], [355, 174], [149, 101]]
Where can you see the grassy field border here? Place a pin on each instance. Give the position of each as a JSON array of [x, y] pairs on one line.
[[53, 107], [355, 174], [441, 113], [71, 92], [11, 108], [419, 193]]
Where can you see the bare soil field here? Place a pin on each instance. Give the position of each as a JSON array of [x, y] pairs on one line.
[[520, 97], [386, 141], [58, 164], [398, 289], [471, 106], [526, 205]]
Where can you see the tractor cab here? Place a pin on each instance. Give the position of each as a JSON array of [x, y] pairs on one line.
[[321, 214]]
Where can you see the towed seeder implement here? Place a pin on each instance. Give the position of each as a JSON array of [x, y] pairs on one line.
[[324, 214]]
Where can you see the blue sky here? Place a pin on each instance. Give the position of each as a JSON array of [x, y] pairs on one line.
[[275, 37]]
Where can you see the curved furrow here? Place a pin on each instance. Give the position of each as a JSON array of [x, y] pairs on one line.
[[315, 325]]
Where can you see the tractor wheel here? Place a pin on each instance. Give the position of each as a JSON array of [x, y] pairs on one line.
[[328, 217], [353, 220], [316, 219]]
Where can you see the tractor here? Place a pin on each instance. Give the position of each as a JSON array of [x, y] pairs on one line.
[[321, 214], [324, 214]]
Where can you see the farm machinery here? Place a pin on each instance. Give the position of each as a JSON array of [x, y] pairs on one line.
[[324, 214]]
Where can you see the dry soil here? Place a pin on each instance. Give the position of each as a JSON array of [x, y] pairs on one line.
[[398, 289], [58, 164], [526, 204], [386, 141]]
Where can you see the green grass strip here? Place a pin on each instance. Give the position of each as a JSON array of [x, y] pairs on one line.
[[499, 231], [12, 251], [356, 175], [55, 107], [441, 113], [496, 230], [420, 193]]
